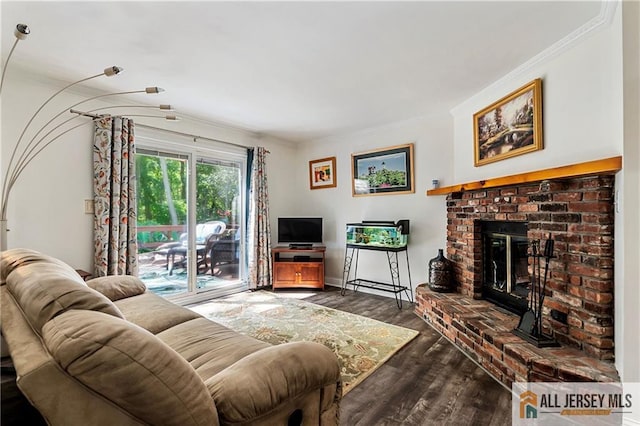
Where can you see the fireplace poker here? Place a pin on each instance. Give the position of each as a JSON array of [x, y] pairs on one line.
[[534, 254], [528, 319], [538, 277], [548, 254]]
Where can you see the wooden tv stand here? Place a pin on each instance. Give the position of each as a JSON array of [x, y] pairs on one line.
[[298, 267]]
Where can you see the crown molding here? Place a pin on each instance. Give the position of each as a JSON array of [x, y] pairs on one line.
[[597, 23]]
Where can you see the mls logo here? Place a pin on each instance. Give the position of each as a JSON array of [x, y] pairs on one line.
[[528, 404]]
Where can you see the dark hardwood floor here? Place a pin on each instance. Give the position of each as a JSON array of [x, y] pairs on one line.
[[428, 382]]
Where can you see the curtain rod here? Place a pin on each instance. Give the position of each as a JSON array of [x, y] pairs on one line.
[[195, 137], [175, 132]]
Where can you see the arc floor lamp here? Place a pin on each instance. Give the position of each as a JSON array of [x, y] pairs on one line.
[[26, 149]]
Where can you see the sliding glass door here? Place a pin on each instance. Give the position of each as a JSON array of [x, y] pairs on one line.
[[162, 219], [190, 221], [218, 217]]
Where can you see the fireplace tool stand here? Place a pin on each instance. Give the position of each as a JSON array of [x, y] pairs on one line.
[[530, 326]]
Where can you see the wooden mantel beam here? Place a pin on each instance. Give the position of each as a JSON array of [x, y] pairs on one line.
[[596, 167]]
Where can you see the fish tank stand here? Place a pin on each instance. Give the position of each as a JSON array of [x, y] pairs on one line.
[[352, 254]]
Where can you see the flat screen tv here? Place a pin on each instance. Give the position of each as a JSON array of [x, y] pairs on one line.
[[299, 231]]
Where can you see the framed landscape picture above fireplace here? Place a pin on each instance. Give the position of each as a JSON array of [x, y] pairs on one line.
[[510, 126]]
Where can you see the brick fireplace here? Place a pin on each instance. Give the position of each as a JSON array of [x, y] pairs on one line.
[[578, 214]]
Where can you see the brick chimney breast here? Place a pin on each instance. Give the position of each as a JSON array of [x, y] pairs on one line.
[[578, 214]]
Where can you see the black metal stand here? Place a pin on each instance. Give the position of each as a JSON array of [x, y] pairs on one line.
[[541, 341], [530, 326], [352, 253]]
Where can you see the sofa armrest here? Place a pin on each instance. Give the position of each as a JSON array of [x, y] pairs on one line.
[[258, 383], [117, 287]]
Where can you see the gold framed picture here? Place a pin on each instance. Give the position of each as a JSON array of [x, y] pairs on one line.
[[510, 126], [322, 173], [383, 171]]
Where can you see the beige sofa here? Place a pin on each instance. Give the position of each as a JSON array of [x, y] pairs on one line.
[[107, 352]]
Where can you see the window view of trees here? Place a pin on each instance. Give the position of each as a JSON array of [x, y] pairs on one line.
[[162, 190], [162, 196], [217, 192]]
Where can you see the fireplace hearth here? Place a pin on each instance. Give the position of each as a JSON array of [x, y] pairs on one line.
[[505, 274]]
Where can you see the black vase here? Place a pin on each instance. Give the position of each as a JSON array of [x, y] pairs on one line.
[[440, 273]]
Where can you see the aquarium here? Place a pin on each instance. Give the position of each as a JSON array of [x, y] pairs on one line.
[[382, 234]]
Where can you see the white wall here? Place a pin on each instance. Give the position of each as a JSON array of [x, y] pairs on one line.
[[432, 139], [46, 207], [627, 238], [582, 109]]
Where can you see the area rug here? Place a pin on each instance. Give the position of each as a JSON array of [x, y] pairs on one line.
[[361, 344]]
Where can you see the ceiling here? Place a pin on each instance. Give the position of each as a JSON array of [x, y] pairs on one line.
[[295, 70]]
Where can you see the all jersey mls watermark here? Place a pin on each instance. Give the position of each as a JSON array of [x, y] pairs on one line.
[[571, 403]]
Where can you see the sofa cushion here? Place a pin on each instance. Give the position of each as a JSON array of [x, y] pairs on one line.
[[252, 386], [46, 289], [117, 287], [15, 258], [154, 313], [208, 346], [130, 367]]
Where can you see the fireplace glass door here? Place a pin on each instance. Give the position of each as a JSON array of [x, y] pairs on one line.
[[506, 280]]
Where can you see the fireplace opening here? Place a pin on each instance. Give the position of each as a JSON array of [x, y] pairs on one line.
[[505, 264]]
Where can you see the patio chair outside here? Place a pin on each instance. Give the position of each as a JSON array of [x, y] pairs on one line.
[[225, 250], [206, 234]]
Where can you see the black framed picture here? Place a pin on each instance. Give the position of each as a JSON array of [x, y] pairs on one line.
[[383, 171]]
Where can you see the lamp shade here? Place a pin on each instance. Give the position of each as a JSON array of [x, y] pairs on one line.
[[109, 71], [22, 31]]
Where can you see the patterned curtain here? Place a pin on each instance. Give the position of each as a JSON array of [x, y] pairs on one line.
[[114, 196], [259, 232]]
